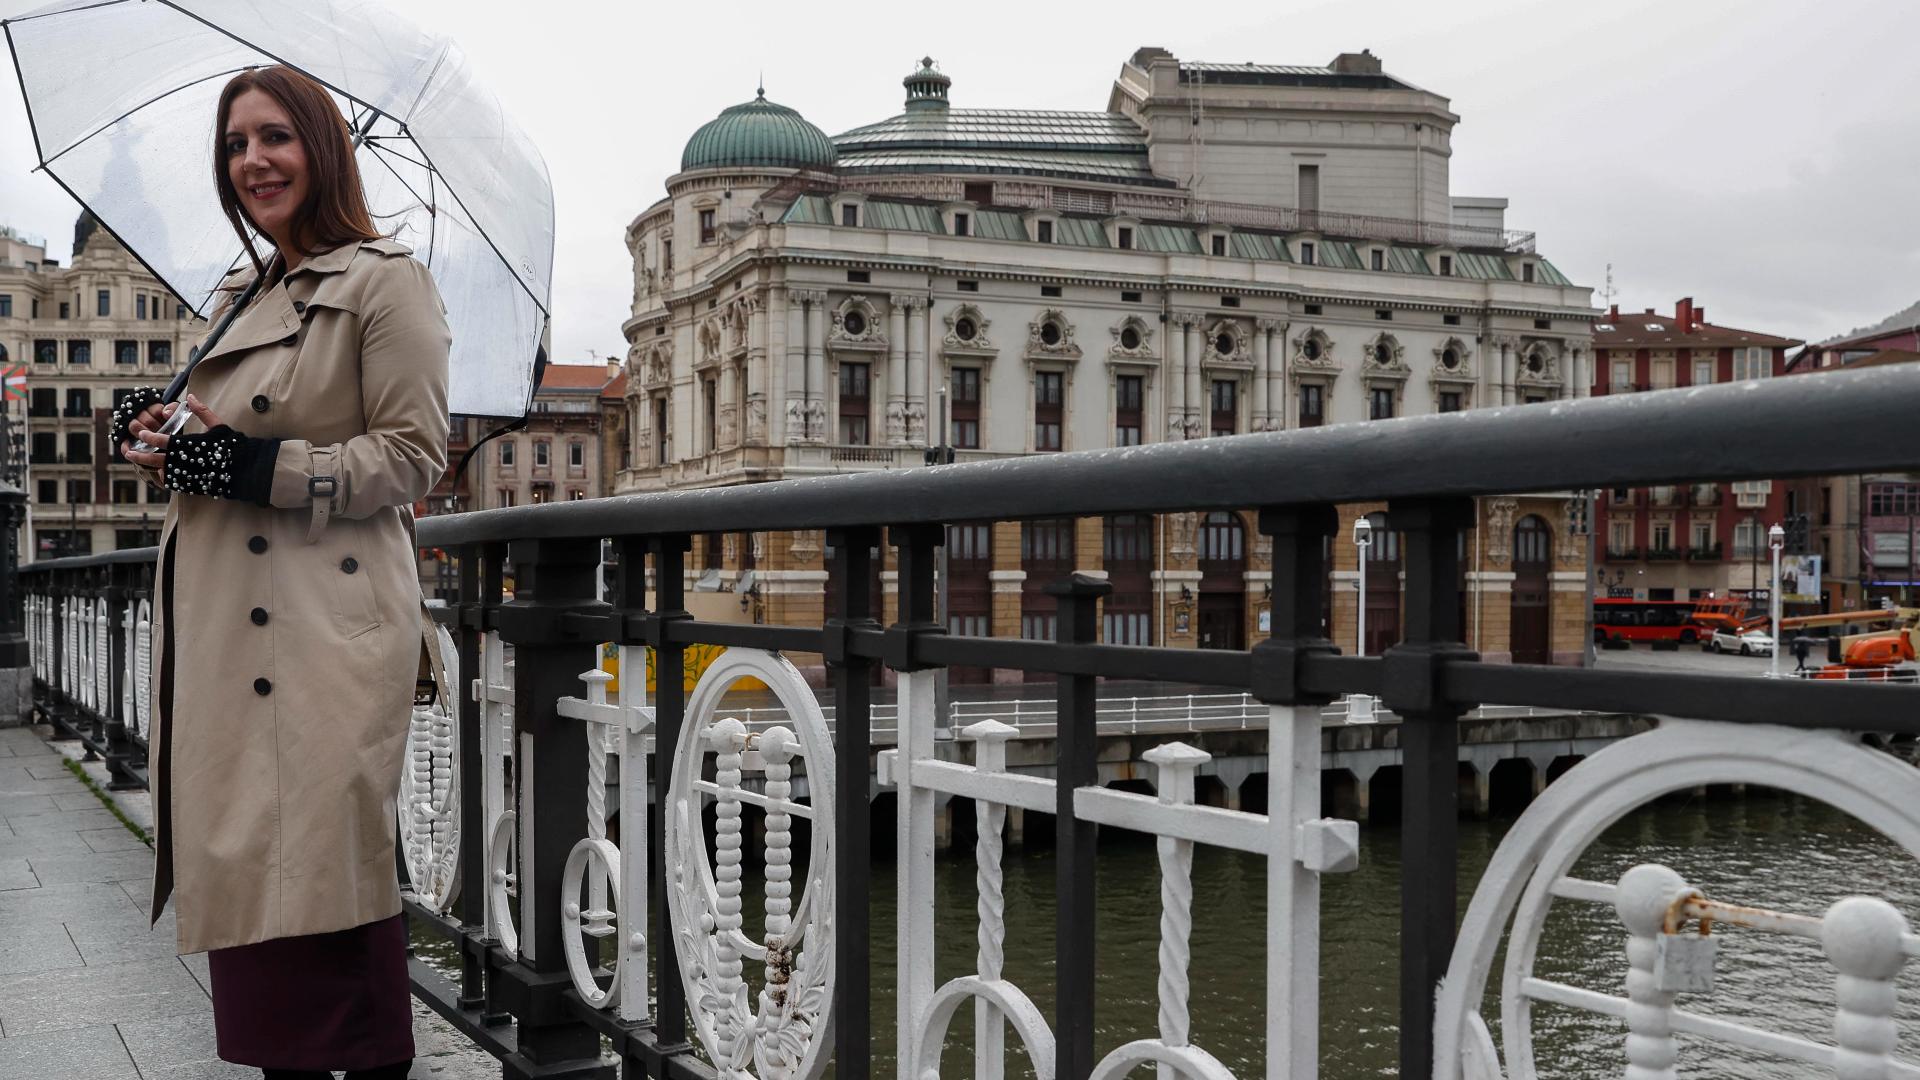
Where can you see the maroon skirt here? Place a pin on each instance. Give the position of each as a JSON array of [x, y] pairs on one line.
[[334, 1001]]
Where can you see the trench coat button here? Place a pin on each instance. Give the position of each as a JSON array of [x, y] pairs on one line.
[[259, 616], [349, 564], [290, 339], [262, 687], [257, 545], [260, 403], [299, 307]]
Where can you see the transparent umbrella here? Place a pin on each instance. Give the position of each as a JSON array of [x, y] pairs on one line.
[[121, 95]]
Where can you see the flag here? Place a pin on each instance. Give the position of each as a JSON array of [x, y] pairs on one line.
[[16, 384]]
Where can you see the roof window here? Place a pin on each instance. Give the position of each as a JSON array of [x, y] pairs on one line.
[[1657, 327]]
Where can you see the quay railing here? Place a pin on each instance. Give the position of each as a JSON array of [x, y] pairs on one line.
[[582, 915]]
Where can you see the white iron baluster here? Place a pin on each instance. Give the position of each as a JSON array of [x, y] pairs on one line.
[[633, 831], [1175, 764], [1862, 938], [1646, 894], [728, 739], [990, 756]]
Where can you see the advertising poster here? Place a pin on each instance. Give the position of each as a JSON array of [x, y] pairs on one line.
[[1800, 579]]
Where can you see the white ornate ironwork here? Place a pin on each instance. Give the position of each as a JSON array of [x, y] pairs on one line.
[[493, 689], [616, 888], [429, 801], [1865, 939], [787, 1032]]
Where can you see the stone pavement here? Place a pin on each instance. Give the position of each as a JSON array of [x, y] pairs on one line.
[[87, 991]]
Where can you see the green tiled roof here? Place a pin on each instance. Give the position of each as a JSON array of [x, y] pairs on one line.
[[1550, 274], [1079, 232], [758, 133], [1063, 145], [1260, 246], [998, 225], [1338, 253], [905, 217], [1468, 264], [1407, 261], [1170, 239]]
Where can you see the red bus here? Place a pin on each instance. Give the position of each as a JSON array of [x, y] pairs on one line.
[[1646, 620]]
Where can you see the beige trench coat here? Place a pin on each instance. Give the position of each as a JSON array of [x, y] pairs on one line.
[[293, 632]]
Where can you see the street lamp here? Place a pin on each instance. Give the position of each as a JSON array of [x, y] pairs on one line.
[[1360, 706], [1776, 539]]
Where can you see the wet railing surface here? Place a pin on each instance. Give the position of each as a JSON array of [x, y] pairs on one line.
[[562, 898]]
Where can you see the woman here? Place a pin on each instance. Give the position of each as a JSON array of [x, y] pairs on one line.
[[289, 608]]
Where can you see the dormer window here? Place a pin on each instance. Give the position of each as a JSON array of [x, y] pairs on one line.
[[1217, 244], [961, 223], [1043, 231], [1526, 272], [1125, 238], [1379, 259], [850, 215], [1306, 253], [1446, 266]]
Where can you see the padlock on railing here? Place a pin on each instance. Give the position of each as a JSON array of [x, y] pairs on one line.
[[1683, 963]]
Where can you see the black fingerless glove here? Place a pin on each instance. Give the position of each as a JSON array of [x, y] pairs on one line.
[[223, 464], [130, 407]]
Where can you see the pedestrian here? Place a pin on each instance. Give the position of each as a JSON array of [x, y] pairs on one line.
[[288, 612]]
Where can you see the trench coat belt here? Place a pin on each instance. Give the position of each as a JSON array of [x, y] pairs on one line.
[[323, 485]]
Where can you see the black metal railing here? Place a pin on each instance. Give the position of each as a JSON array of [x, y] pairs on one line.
[[1426, 469]]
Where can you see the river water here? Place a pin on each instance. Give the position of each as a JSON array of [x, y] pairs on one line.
[[1761, 848]]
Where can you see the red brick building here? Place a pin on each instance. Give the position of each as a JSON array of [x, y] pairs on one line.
[[1684, 541]]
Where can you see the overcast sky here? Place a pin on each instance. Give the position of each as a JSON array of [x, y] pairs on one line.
[[1760, 156]]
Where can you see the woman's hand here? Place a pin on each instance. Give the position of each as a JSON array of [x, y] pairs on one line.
[[146, 428]]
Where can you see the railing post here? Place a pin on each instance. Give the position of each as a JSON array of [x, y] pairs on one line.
[[1430, 745], [467, 628], [668, 555], [852, 738], [119, 600], [1077, 767], [914, 736], [552, 579], [16, 672]]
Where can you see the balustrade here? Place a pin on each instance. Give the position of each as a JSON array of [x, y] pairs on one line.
[[570, 838]]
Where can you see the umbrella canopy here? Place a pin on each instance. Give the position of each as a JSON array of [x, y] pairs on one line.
[[122, 93]]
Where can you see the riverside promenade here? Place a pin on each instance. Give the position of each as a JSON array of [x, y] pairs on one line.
[[87, 990]]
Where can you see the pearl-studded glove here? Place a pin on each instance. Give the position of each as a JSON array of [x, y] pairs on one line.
[[223, 464], [131, 407]]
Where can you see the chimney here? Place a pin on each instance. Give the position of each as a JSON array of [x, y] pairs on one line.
[[1360, 63], [1683, 314], [1613, 312], [1699, 316], [613, 368]]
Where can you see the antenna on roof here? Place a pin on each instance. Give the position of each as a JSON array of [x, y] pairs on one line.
[[1607, 294]]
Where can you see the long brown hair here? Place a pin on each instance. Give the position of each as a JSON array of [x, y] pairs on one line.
[[335, 212]]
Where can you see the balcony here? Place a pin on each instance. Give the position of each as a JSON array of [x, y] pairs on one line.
[[1667, 496], [1710, 553], [1625, 554], [1705, 494], [1664, 554]]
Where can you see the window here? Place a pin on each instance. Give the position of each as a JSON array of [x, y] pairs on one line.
[[978, 193], [1702, 536], [1311, 309], [1129, 297], [140, 306], [542, 453], [961, 224], [79, 402], [79, 448], [1702, 371], [1622, 375], [1127, 413], [575, 495], [855, 401], [1380, 403], [1662, 536], [6, 306], [1748, 539], [660, 433], [666, 258], [1050, 290], [859, 277], [80, 352], [1450, 320], [1047, 395], [1306, 253], [1218, 244], [66, 310], [106, 303], [126, 352], [44, 402], [1379, 259], [576, 455], [1313, 405], [45, 449], [180, 311], [1888, 500], [710, 395], [506, 455], [1226, 407], [1446, 266], [1449, 401], [1130, 337], [1526, 272], [967, 286], [1383, 314], [1752, 494], [850, 215], [1229, 301], [965, 383], [1619, 536], [126, 492], [1543, 324], [79, 491], [706, 226], [1309, 189], [1752, 363], [1050, 333], [159, 352], [1125, 235], [46, 352], [1043, 231], [47, 491], [506, 496]]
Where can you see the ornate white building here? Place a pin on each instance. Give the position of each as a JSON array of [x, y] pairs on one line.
[[1223, 249]]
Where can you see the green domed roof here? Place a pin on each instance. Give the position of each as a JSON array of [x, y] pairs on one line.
[[758, 132]]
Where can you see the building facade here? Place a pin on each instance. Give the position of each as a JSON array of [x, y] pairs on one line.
[[1691, 541], [558, 455], [86, 335], [1225, 249]]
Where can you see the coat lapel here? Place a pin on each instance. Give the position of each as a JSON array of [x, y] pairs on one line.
[[270, 317]]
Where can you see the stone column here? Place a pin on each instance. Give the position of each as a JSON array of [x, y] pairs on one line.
[[1257, 408], [1176, 379], [754, 428], [897, 369], [1505, 391], [794, 410], [1196, 420], [816, 365], [1277, 375], [727, 431], [917, 373]]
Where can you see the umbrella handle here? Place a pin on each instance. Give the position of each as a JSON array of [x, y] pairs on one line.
[[177, 389]]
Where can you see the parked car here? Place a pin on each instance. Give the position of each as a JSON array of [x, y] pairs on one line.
[[1745, 642]]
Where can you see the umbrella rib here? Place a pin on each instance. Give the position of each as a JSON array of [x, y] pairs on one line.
[[103, 127], [63, 11], [477, 227], [218, 29], [404, 184], [375, 142], [445, 49]]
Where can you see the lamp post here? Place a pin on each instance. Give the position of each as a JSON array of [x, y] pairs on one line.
[[1776, 539], [1360, 706]]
